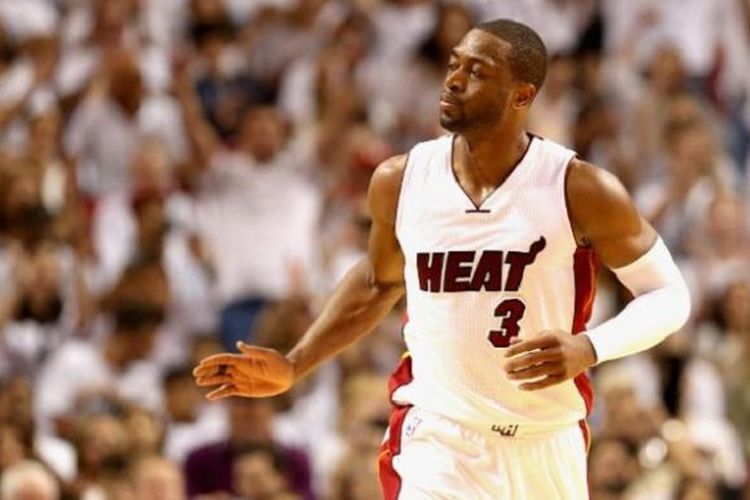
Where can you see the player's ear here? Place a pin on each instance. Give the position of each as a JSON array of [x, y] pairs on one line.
[[524, 95]]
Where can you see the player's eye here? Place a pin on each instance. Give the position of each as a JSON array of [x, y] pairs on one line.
[[452, 65]]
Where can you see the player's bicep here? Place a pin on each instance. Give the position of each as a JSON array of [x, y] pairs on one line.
[[385, 255], [384, 251], [604, 216]]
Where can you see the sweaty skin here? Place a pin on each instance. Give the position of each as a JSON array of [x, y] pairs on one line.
[[486, 107]]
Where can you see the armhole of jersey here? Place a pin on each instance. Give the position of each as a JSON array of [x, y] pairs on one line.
[[568, 216], [399, 203]]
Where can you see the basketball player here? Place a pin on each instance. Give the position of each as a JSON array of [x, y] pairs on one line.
[[493, 234]]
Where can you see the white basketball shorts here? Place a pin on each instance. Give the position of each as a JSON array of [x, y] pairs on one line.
[[426, 456]]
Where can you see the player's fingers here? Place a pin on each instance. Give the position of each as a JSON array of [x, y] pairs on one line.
[[537, 371], [212, 363], [256, 352], [213, 380], [541, 384], [224, 391], [515, 340], [526, 345], [531, 359], [223, 358]]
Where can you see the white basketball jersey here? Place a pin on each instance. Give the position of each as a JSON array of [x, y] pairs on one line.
[[477, 276]]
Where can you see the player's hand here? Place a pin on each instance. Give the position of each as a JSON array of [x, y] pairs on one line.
[[255, 373], [548, 359]]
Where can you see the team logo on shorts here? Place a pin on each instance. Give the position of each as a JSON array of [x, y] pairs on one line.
[[505, 430]]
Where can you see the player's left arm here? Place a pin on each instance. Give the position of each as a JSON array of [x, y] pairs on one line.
[[604, 217]]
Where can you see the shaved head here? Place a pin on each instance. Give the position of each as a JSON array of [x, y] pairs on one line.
[[528, 55]]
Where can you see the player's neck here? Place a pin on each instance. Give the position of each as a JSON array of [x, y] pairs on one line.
[[487, 159]]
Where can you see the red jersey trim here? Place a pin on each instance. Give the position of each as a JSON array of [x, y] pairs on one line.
[[584, 269]]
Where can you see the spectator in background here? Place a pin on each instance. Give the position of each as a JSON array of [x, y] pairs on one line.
[[259, 474], [24, 218], [145, 431], [719, 247], [20, 438], [224, 87], [613, 468], [104, 130], [26, 89], [666, 79], [48, 163], [102, 447], [731, 334], [692, 180], [330, 85], [257, 215], [154, 221], [138, 304], [362, 422], [288, 34], [729, 319], [209, 469], [594, 134], [28, 480], [43, 293], [191, 424], [555, 106], [156, 478], [307, 418], [15, 445]]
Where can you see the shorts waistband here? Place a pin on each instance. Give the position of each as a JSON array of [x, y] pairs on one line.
[[525, 430], [509, 430]]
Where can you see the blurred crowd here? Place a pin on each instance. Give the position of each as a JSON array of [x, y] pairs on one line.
[[177, 175]]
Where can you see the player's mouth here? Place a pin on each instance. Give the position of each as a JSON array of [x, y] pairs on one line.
[[444, 105], [448, 102]]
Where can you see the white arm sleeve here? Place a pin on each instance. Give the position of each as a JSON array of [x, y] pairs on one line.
[[661, 306]]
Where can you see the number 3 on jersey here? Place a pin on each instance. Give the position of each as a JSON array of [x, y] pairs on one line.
[[512, 311]]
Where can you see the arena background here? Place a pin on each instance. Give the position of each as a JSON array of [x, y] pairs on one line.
[[179, 174]]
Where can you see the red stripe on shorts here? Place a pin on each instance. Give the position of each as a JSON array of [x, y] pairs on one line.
[[586, 433], [390, 481]]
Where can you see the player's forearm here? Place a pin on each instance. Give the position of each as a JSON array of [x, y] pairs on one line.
[[357, 305], [661, 307]]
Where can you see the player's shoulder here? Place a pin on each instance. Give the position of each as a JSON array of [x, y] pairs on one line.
[[597, 200], [587, 183], [386, 181], [388, 173], [385, 187]]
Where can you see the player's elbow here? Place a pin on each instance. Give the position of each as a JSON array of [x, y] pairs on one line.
[[381, 286], [387, 290], [685, 305], [679, 307]]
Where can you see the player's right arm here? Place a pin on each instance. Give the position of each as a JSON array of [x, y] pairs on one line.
[[359, 302]]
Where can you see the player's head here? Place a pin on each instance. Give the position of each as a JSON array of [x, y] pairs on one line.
[[494, 73]]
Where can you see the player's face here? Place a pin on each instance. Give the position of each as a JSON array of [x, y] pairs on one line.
[[478, 85]]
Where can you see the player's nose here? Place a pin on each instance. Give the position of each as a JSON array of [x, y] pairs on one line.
[[454, 83]]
